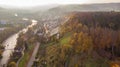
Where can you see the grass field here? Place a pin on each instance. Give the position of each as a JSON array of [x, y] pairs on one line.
[[26, 57], [66, 38]]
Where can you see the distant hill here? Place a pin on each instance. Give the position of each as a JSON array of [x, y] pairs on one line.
[[31, 9], [61, 10], [87, 7], [56, 10]]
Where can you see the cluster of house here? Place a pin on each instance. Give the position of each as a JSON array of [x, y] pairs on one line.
[[3, 22], [46, 32]]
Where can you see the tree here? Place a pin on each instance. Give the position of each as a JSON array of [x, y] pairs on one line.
[[12, 64], [1, 54], [81, 42]]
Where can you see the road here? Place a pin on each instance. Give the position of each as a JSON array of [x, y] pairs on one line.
[[32, 59]]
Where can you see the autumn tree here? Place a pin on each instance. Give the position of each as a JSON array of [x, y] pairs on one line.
[[12, 64], [81, 42]]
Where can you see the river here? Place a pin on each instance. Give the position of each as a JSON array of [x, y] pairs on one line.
[[10, 44]]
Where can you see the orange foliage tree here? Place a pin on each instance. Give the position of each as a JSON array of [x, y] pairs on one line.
[[81, 42]]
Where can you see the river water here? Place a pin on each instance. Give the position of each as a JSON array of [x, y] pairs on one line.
[[10, 44]]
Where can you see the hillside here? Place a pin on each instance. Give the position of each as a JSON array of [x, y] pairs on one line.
[[83, 43]]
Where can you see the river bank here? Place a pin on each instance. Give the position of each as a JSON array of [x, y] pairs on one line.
[[10, 44], [9, 31]]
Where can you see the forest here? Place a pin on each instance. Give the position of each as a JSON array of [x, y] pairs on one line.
[[98, 36]]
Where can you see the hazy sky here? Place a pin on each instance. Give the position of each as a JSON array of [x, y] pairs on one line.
[[27, 3]]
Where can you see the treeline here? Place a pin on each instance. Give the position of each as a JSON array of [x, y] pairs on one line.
[[102, 19], [5, 25], [6, 33]]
